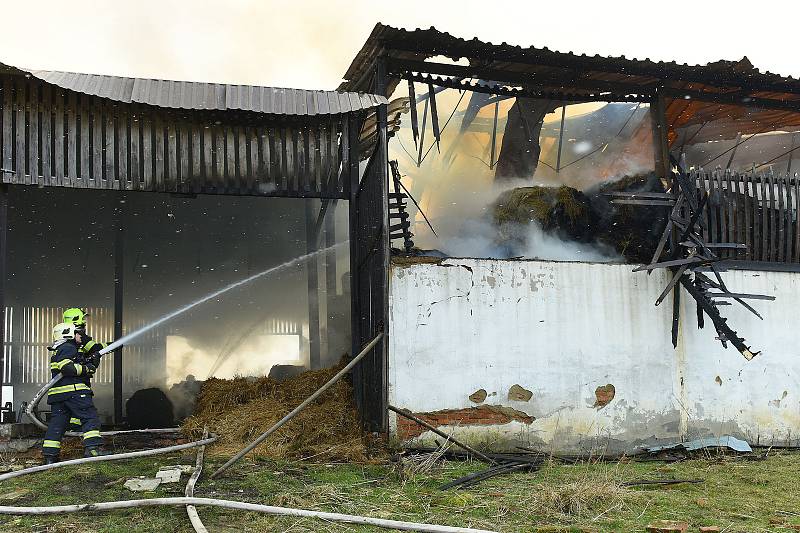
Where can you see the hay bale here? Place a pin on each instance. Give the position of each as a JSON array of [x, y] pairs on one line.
[[563, 211], [633, 231], [240, 409], [149, 408]]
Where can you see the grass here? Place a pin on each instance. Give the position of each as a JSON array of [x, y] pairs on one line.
[[737, 495]]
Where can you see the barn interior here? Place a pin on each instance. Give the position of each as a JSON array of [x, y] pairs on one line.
[[132, 198]]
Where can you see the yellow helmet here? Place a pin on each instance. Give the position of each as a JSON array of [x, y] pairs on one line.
[[75, 316], [63, 331]]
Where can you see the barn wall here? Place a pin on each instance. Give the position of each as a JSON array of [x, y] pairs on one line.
[[56, 137], [546, 341]]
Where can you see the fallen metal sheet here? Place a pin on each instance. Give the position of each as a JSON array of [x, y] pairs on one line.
[[725, 441]]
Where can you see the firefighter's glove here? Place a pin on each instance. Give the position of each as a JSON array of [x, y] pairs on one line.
[[90, 369]]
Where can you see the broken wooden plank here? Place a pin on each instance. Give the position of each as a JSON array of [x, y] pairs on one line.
[[434, 115], [676, 276], [641, 482], [406, 414], [412, 100], [623, 201], [720, 324], [671, 263], [740, 295]]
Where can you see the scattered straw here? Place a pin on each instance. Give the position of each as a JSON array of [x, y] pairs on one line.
[[240, 409]]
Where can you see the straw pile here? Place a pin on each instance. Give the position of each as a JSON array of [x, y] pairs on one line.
[[240, 409]]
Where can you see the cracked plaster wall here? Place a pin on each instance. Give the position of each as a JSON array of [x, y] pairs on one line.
[[566, 331]]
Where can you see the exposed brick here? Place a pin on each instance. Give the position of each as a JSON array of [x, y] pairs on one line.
[[709, 529], [484, 415]]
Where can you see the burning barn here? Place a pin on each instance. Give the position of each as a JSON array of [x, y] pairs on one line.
[[134, 197], [531, 189], [501, 205]]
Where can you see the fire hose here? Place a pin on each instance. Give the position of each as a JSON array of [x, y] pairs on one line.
[[191, 501], [30, 410]]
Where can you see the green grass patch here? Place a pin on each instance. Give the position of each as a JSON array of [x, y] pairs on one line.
[[738, 495]]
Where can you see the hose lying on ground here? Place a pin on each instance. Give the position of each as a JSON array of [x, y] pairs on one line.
[[194, 518], [112, 457], [30, 410], [228, 504]]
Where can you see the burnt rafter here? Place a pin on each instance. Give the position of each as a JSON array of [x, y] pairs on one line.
[[684, 251], [722, 74], [595, 88], [498, 89]]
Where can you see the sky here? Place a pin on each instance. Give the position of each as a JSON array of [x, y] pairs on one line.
[[309, 43]]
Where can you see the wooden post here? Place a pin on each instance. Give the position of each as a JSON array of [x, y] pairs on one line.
[[663, 169], [560, 136], [660, 141], [351, 154], [3, 255], [312, 265], [736, 144], [381, 356], [330, 275], [119, 272]]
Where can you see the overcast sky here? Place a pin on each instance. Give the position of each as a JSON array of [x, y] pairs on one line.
[[309, 44]]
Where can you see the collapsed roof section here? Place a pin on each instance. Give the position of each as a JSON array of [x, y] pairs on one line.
[[749, 101]]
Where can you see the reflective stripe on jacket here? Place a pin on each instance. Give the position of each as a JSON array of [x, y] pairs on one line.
[[64, 361]]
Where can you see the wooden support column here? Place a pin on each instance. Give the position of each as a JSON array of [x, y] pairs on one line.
[[663, 169], [3, 255], [330, 277], [312, 275], [660, 142], [119, 272], [382, 349], [352, 178]]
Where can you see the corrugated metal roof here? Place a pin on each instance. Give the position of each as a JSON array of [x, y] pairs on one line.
[[422, 43], [210, 96], [570, 74]]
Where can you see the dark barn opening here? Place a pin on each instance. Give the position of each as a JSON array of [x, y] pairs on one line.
[[135, 197]]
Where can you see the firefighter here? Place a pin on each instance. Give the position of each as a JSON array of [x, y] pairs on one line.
[[88, 351], [70, 397]]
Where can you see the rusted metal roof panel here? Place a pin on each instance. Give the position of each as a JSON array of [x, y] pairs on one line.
[[210, 96]]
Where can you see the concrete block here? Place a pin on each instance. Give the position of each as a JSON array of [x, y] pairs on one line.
[[142, 484]]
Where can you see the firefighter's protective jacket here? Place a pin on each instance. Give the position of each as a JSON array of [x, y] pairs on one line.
[[65, 361]]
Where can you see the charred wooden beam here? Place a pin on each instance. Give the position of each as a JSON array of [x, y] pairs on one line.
[[412, 99], [434, 116], [723, 330]]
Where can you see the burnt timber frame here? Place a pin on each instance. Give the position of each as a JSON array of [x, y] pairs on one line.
[[55, 137], [369, 265], [408, 55]]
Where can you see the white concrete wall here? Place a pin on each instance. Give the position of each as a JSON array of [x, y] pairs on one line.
[[562, 329]]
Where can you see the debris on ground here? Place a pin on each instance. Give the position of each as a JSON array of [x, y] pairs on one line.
[[641, 482], [14, 495], [241, 409], [169, 475], [142, 484], [667, 526], [726, 441]]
